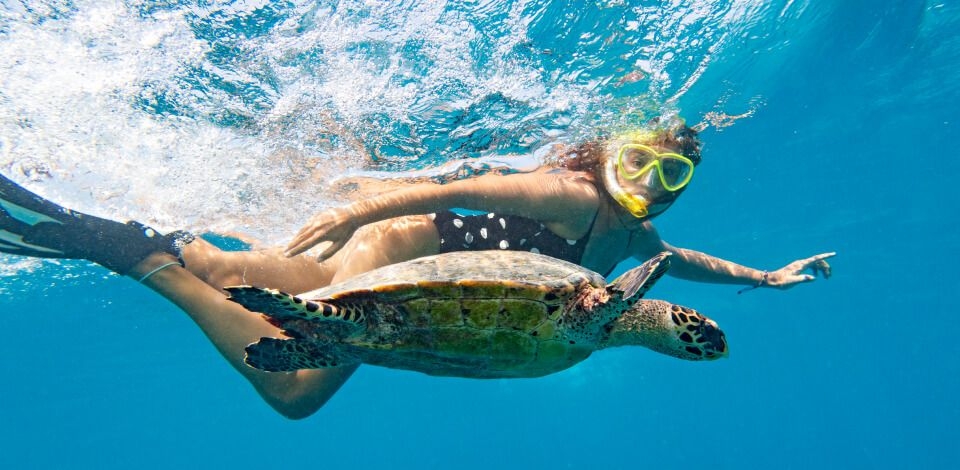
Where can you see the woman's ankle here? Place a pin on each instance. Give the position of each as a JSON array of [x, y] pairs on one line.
[[152, 264], [208, 262]]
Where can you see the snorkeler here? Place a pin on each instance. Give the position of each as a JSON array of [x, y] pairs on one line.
[[590, 205]]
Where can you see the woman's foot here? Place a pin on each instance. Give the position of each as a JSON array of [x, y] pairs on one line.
[[33, 226]]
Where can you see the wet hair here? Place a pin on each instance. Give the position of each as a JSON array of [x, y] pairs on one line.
[[589, 156]]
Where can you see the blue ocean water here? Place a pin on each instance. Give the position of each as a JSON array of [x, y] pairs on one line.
[[229, 116]]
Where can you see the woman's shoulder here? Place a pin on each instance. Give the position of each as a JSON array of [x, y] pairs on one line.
[[565, 173]]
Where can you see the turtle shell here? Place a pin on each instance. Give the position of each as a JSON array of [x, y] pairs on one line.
[[440, 275], [469, 314]]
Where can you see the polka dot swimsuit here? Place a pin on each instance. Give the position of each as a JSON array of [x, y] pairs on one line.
[[503, 232]]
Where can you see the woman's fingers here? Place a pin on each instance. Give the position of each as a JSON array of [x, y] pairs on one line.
[[305, 239]]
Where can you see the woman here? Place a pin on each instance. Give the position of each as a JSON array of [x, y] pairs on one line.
[[592, 205]]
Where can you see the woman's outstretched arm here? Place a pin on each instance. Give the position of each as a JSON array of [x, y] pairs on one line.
[[701, 267]]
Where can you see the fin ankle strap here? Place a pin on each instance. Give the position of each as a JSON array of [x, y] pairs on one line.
[[158, 269]]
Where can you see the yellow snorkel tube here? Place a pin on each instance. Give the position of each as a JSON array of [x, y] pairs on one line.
[[635, 205]]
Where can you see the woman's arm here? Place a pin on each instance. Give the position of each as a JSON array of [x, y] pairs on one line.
[[548, 196], [701, 267]]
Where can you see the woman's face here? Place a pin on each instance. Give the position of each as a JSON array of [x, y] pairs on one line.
[[639, 170]]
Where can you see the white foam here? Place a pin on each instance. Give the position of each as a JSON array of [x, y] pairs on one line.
[[320, 93]]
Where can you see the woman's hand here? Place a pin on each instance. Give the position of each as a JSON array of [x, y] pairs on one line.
[[333, 225], [793, 273]]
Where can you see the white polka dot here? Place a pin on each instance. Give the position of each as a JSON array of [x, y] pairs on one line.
[[522, 241], [483, 233], [491, 215], [503, 223], [504, 244], [457, 223], [571, 242], [149, 233], [534, 250], [468, 237]]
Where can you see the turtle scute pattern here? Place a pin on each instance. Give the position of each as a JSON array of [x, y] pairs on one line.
[[473, 328]]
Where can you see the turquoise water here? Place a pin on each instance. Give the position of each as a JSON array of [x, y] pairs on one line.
[[231, 116]]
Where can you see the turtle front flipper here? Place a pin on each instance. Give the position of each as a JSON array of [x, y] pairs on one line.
[[638, 281], [287, 355], [282, 306]]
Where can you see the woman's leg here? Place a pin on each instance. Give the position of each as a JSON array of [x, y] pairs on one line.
[[231, 328], [373, 246], [261, 268], [32, 226]]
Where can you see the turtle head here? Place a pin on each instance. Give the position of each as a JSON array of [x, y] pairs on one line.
[[669, 329]]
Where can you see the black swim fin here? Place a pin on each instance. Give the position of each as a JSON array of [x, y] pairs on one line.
[[33, 226]]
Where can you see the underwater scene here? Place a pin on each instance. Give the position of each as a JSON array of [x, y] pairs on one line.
[[825, 127]]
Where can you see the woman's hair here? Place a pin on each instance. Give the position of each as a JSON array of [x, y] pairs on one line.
[[589, 156]]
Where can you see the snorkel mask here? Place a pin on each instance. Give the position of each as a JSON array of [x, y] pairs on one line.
[[634, 160]]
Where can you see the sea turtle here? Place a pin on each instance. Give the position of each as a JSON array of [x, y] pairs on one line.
[[482, 314]]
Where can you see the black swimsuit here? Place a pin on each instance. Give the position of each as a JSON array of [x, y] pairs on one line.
[[504, 232]]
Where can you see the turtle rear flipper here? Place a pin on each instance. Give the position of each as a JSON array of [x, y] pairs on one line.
[[638, 281], [283, 306], [286, 355]]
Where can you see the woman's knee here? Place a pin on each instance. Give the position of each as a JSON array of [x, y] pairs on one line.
[[203, 259], [220, 268]]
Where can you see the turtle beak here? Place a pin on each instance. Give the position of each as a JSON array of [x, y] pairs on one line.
[[715, 341]]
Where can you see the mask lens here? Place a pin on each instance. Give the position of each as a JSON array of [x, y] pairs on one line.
[[676, 172], [635, 160]]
